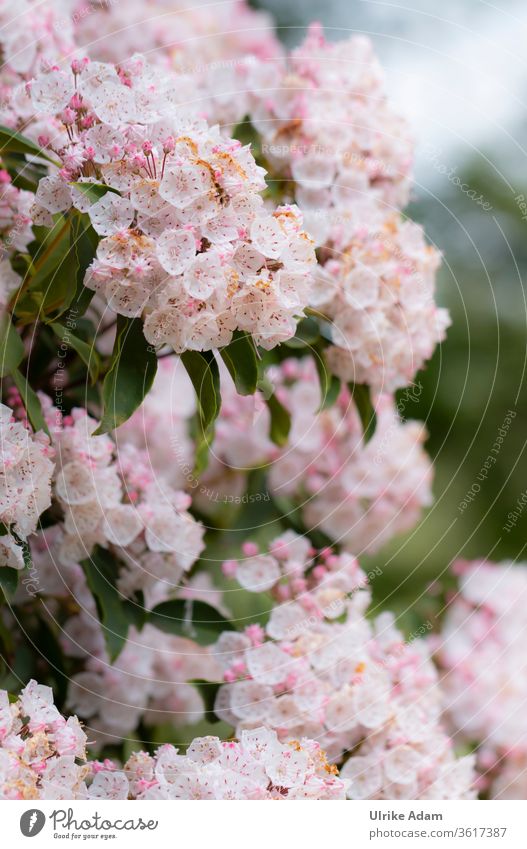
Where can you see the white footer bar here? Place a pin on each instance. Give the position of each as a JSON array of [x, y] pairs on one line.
[[266, 825]]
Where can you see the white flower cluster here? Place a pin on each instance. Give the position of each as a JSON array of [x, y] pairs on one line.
[[186, 238], [191, 38], [111, 498], [319, 668], [43, 756], [259, 766], [325, 122], [377, 287], [26, 469], [333, 144], [34, 34], [147, 683], [481, 650], [41, 753]]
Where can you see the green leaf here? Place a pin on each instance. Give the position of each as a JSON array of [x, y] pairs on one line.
[[86, 352], [361, 395], [83, 247], [135, 610], [203, 371], [280, 421], [49, 281], [101, 570], [241, 359], [13, 142], [94, 191], [208, 691], [195, 620], [131, 374], [329, 384], [31, 402], [11, 346]]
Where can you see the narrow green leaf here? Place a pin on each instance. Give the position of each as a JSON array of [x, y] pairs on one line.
[[202, 368], [86, 352], [31, 402], [94, 191], [101, 570], [51, 252], [131, 374], [192, 619], [11, 346], [13, 142], [361, 395], [50, 280], [280, 421], [241, 359]]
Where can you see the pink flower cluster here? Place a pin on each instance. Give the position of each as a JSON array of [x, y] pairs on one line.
[[43, 756], [325, 122], [15, 216], [376, 287], [41, 753], [481, 651], [319, 668], [259, 766], [186, 239], [26, 469]]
